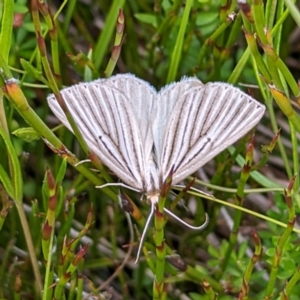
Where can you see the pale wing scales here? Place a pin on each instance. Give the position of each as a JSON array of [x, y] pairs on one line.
[[167, 100], [206, 121], [105, 117], [143, 98], [141, 94]]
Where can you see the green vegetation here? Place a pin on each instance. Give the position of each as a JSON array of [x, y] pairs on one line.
[[62, 238]]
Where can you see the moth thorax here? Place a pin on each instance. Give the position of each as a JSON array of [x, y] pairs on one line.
[[152, 182]]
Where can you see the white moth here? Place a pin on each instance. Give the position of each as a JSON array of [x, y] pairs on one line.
[[141, 134]]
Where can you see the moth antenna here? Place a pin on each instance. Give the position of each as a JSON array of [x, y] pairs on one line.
[[145, 231], [82, 162], [185, 223], [116, 184], [193, 189]]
